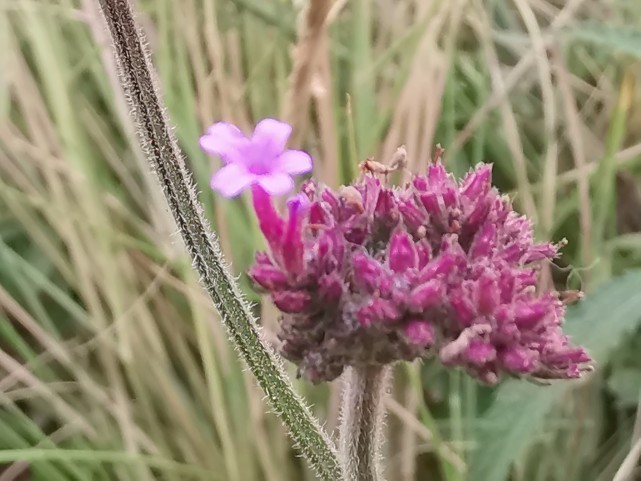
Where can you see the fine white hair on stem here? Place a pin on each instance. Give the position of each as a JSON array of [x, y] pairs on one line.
[[158, 142], [362, 422]]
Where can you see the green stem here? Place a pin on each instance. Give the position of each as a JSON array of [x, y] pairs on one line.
[[362, 414], [161, 149]]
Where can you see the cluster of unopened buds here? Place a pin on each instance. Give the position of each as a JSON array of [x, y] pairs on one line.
[[372, 273]]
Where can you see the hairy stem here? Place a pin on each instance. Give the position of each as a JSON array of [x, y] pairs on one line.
[[161, 149], [362, 416]]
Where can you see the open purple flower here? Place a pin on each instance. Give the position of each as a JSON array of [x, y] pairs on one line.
[[261, 159]]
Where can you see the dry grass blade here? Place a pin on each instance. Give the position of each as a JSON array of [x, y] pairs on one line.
[[509, 120], [575, 139], [516, 75], [311, 37]]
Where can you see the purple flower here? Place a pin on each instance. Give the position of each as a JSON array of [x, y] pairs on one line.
[[261, 159], [375, 274]]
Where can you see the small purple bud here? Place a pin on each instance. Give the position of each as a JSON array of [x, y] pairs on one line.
[[378, 311], [487, 294], [426, 296], [292, 249], [356, 234], [479, 352], [424, 251], [525, 278], [268, 277], [317, 215], [518, 360], [329, 251], [291, 302], [270, 222], [441, 266], [432, 203], [483, 241], [450, 196], [479, 214], [371, 192], [386, 205], [420, 183], [463, 309], [512, 253], [367, 272], [420, 332], [412, 215], [478, 182], [330, 289], [567, 357], [332, 201], [528, 315], [540, 252], [436, 173], [402, 252]]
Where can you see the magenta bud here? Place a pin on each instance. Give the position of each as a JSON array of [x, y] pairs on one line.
[[412, 215], [402, 252], [539, 252], [487, 294], [292, 302], [292, 250], [331, 200], [432, 203], [436, 174], [483, 241], [378, 311], [462, 306], [479, 214], [330, 289], [441, 266], [270, 222], [367, 272], [426, 296], [479, 352], [386, 205], [268, 277], [478, 182], [528, 315], [518, 360], [424, 251], [420, 332], [420, 183]]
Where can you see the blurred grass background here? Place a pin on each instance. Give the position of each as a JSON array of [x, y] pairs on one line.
[[113, 364]]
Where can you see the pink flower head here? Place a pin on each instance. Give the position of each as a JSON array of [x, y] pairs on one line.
[[261, 159], [374, 274]]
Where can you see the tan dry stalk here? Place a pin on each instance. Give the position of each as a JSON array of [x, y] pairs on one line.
[[311, 34]]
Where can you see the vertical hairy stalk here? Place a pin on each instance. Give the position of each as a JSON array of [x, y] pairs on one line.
[[160, 147], [362, 416]]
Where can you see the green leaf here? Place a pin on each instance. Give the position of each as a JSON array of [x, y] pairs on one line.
[[624, 384], [616, 38], [519, 409]]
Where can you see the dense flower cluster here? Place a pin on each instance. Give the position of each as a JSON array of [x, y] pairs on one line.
[[374, 274]]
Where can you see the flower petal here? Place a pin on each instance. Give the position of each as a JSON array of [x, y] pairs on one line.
[[277, 183], [295, 162], [223, 139], [231, 180], [270, 136]]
